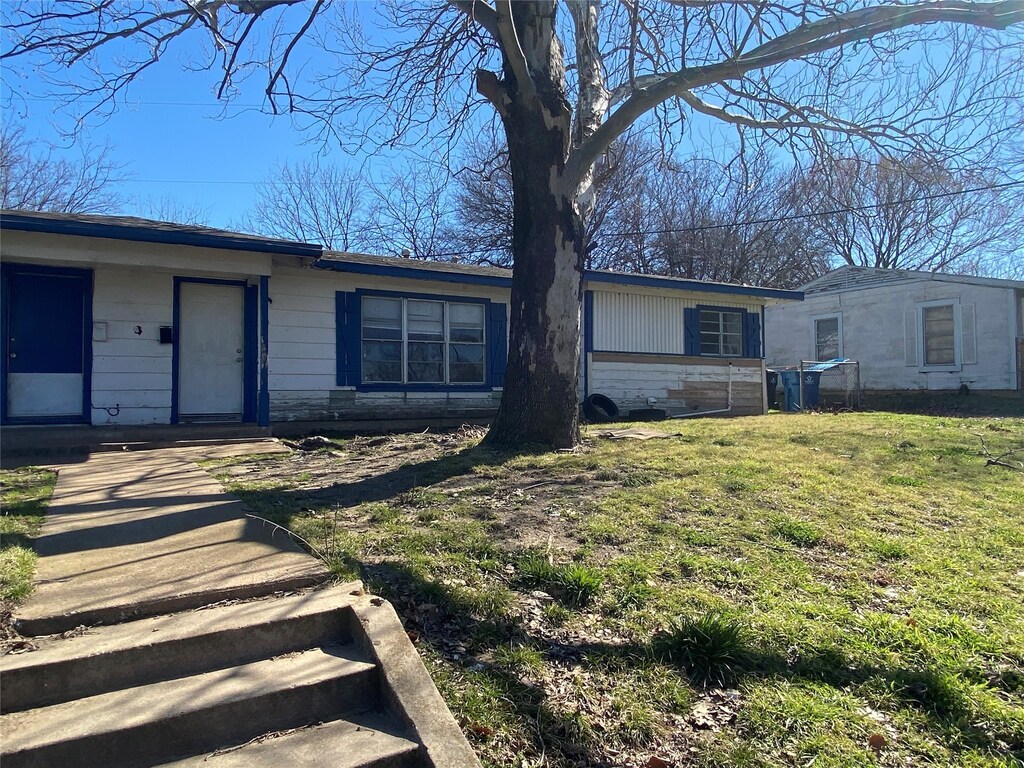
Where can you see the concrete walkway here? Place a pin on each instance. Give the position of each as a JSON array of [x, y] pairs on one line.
[[140, 533]]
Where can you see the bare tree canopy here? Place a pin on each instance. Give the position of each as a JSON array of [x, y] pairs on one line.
[[910, 213], [311, 203], [566, 80], [34, 178]]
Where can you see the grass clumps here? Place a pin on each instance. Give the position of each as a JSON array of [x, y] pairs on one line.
[[574, 584], [711, 647], [798, 532], [24, 494]]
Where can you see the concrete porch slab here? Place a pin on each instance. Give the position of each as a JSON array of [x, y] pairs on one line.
[[133, 534]]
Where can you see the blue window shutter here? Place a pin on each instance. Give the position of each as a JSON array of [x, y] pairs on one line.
[[751, 334], [691, 331], [497, 342], [347, 319]]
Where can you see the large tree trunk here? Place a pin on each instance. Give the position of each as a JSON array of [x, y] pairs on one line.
[[540, 404]]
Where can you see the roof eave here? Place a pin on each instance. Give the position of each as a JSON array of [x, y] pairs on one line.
[[144, 234]]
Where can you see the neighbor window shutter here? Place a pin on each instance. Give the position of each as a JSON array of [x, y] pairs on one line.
[[968, 336], [751, 334], [497, 343], [691, 331], [347, 320], [910, 336]]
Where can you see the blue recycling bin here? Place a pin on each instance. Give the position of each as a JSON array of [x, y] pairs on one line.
[[812, 379], [790, 390]]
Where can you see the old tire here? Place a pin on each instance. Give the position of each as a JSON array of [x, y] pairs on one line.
[[599, 409]]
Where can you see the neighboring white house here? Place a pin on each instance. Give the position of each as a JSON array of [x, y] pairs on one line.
[[123, 321], [908, 330]]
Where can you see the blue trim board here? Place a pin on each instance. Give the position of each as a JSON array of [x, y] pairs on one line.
[[592, 276], [681, 284], [86, 276], [250, 354], [588, 338], [263, 406], [251, 374], [168, 235], [414, 273]]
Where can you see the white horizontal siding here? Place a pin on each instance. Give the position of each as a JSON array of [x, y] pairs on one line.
[[131, 369]]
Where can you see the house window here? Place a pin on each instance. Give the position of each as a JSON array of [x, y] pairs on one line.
[[419, 341], [827, 344], [721, 333], [937, 323]]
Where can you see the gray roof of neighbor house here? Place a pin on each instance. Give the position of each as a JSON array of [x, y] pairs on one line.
[[458, 272], [150, 231], [851, 278]]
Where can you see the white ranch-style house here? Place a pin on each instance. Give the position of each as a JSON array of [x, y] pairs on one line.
[[120, 321], [910, 331]]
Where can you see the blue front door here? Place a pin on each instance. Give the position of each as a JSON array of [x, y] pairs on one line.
[[45, 345]]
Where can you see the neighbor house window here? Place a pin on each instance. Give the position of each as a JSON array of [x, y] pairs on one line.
[[418, 341], [827, 344], [721, 332], [939, 342]]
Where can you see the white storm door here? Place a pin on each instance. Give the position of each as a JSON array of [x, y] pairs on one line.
[[210, 344]]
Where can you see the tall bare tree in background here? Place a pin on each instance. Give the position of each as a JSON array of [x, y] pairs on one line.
[[33, 177], [910, 212], [566, 80]]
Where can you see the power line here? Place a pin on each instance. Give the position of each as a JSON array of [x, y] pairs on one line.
[[772, 220]]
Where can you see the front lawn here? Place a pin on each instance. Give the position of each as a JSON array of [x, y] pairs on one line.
[[24, 496], [789, 590]]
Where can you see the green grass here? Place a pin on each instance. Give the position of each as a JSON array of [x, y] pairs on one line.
[[846, 576], [24, 496]]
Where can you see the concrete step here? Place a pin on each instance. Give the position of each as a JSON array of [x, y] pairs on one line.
[[155, 723], [362, 742], [154, 649]]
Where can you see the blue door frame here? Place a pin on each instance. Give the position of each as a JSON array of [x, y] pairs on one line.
[[9, 272], [255, 403]]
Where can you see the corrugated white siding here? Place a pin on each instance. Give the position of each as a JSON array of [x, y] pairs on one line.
[[636, 322], [648, 322]]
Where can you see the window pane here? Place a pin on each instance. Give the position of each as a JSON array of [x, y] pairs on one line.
[[466, 353], [732, 345], [709, 344], [382, 318], [732, 322], [710, 322], [466, 314], [467, 373], [939, 347], [826, 338], [426, 362], [382, 361], [425, 320]]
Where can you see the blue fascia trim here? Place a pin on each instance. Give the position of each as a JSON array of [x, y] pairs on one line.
[[425, 296], [414, 273], [679, 284], [263, 405], [594, 276], [87, 275], [143, 234], [249, 377]]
